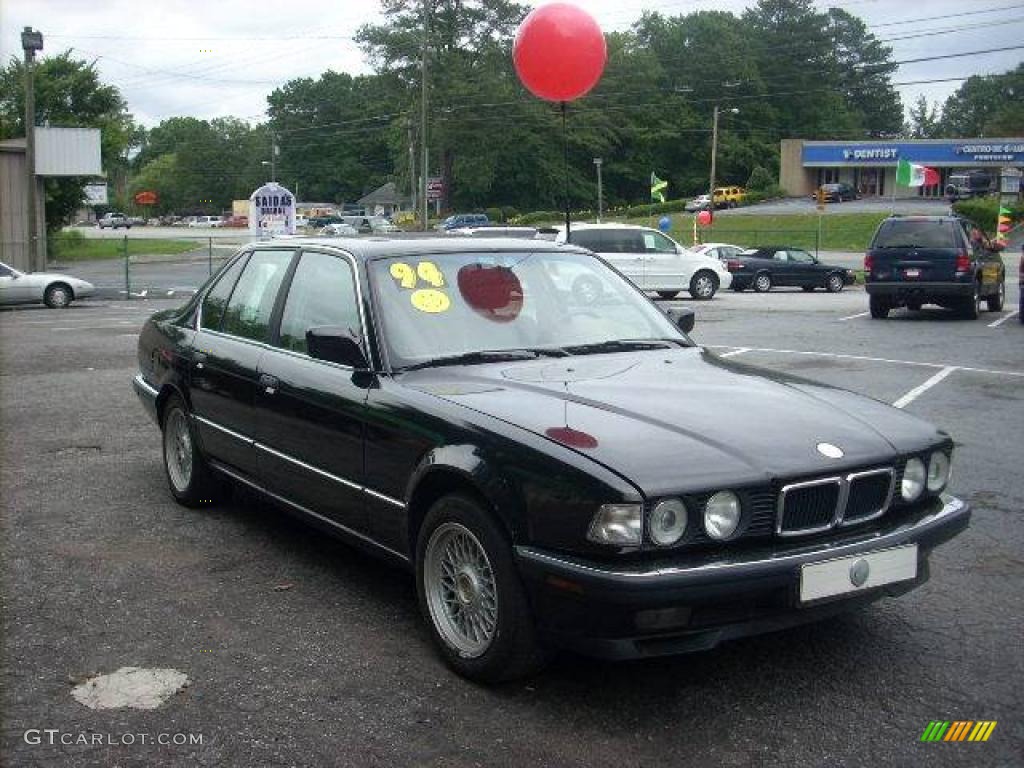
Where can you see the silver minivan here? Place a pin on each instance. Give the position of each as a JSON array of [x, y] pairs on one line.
[[652, 260]]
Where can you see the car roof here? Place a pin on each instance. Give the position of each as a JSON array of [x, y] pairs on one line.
[[376, 247]]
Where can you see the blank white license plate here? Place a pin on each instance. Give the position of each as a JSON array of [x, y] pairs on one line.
[[857, 572], [912, 273]]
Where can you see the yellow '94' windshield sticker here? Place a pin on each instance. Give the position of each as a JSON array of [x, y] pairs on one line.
[[430, 300]]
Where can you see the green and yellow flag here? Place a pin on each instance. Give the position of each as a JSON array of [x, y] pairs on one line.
[[658, 188]]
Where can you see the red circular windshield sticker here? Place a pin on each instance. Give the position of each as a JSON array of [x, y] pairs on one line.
[[494, 292], [571, 437]]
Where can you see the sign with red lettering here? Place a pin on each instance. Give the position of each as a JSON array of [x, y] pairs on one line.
[[146, 197]]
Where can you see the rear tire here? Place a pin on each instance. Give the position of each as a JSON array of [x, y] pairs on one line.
[[703, 285], [471, 595], [879, 308], [763, 282], [834, 283], [972, 307], [995, 303], [189, 477]]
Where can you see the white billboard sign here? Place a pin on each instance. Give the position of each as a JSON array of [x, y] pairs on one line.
[[68, 152], [95, 194], [271, 211]]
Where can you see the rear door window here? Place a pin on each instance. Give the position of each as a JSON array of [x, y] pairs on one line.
[[252, 302], [916, 234]]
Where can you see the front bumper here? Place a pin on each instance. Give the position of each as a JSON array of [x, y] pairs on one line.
[[640, 610]]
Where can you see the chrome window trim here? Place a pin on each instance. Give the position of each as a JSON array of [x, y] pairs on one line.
[[225, 430], [781, 505], [888, 499]]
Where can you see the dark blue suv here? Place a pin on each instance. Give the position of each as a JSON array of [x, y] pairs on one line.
[[944, 260]]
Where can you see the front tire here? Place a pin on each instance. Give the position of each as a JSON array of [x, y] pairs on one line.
[[763, 283], [879, 308], [58, 296], [995, 303], [190, 478], [703, 285], [471, 596], [834, 283]]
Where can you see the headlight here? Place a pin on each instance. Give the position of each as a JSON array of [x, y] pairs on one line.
[[913, 480], [668, 522], [617, 524], [938, 471], [722, 515]]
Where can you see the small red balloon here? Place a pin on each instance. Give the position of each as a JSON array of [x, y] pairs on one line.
[[704, 218], [559, 52]]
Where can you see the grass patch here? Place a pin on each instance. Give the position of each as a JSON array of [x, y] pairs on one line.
[[839, 231], [73, 246]]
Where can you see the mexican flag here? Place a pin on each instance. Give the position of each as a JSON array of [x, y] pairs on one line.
[[914, 175]]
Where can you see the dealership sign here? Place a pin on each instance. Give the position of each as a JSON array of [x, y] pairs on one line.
[[95, 194], [271, 211], [146, 197]]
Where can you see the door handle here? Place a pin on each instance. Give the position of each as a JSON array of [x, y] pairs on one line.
[[269, 383]]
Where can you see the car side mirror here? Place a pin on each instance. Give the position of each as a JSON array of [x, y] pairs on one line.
[[682, 317], [335, 345]]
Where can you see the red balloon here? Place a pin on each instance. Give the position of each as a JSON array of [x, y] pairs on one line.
[[559, 52], [704, 218]]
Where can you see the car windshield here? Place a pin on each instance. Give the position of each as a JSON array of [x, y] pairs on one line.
[[475, 307], [915, 234]]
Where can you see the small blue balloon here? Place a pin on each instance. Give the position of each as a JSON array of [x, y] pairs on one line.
[[665, 224]]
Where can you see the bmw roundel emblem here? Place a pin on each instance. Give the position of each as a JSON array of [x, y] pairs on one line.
[[830, 451]]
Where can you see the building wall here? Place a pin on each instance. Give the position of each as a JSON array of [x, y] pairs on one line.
[[796, 180], [14, 249]]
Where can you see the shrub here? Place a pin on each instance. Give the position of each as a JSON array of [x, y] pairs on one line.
[[984, 211], [653, 209], [771, 192], [495, 215], [760, 180]]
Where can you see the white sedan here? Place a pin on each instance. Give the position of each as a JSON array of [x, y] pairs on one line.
[[722, 251], [54, 290], [339, 229]]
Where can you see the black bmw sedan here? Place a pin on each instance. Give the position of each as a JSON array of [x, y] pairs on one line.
[[784, 265], [558, 467]]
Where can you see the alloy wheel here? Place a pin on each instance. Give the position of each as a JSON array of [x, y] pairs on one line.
[[461, 590], [178, 450]]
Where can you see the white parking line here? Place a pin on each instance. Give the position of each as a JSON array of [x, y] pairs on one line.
[[735, 352], [917, 391], [870, 359], [1003, 319], [853, 317]]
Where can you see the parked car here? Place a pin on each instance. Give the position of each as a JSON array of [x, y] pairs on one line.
[[552, 475], [729, 197], [319, 222], [720, 251], [301, 222], [651, 259], [783, 265], [967, 184], [113, 221], [50, 288], [201, 222], [360, 223], [944, 260], [339, 229], [379, 225], [699, 203], [236, 221], [837, 193], [459, 220]]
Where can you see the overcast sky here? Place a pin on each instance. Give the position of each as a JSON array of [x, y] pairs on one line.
[[184, 57]]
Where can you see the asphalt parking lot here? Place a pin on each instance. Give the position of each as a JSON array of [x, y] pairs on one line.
[[301, 651]]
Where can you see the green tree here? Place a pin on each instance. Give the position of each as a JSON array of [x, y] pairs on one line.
[[987, 106], [68, 93], [924, 120]]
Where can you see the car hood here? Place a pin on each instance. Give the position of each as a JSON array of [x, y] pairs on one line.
[[683, 419]]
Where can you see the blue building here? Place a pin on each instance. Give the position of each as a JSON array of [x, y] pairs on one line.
[[870, 166]]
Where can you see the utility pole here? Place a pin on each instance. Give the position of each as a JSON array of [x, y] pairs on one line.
[[714, 152], [31, 41], [273, 157], [412, 168], [600, 198], [423, 113]]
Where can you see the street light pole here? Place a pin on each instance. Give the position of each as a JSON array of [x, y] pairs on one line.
[[600, 198], [31, 41]]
